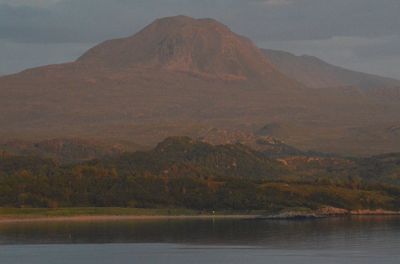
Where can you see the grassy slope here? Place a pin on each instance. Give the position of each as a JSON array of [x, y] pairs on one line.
[[111, 211]]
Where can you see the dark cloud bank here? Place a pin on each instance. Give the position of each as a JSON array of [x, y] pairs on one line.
[[360, 34]]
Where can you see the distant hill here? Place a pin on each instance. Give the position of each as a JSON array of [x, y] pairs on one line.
[[182, 156], [317, 73], [64, 150]]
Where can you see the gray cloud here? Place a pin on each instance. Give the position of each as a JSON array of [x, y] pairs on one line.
[[381, 48], [91, 20], [349, 26], [34, 3], [318, 19], [19, 56]]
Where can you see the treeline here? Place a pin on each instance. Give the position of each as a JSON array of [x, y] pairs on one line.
[[180, 172]]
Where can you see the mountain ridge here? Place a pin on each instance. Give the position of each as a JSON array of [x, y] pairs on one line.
[[316, 73]]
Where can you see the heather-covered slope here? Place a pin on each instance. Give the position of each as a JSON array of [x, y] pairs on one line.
[[184, 76], [65, 150], [198, 46]]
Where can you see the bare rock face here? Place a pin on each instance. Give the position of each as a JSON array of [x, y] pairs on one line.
[[332, 211], [200, 46]]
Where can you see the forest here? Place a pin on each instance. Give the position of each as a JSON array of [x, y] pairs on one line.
[[184, 173]]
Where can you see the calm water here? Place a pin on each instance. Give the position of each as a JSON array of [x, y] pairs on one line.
[[341, 240]]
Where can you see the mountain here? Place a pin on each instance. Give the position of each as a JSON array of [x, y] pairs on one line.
[[198, 46], [316, 73], [185, 76]]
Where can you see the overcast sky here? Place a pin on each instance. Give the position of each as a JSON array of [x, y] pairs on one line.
[[359, 34]]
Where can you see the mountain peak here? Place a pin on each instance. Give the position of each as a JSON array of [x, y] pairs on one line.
[[187, 20], [184, 44]]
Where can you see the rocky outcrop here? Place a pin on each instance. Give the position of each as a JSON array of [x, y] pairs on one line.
[[374, 212], [294, 215], [325, 212]]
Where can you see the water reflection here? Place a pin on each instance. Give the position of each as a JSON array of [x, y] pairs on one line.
[[339, 233]]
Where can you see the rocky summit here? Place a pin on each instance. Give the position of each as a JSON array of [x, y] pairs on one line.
[[202, 47]]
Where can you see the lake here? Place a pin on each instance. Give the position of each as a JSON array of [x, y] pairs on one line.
[[355, 240]]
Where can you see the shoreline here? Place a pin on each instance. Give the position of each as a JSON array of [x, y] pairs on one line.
[[328, 212], [14, 215], [105, 218]]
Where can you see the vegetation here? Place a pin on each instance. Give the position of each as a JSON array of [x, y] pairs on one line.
[[92, 211], [181, 173]]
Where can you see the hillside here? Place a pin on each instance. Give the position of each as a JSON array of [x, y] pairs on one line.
[[201, 47], [182, 156], [65, 150], [181, 172]]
